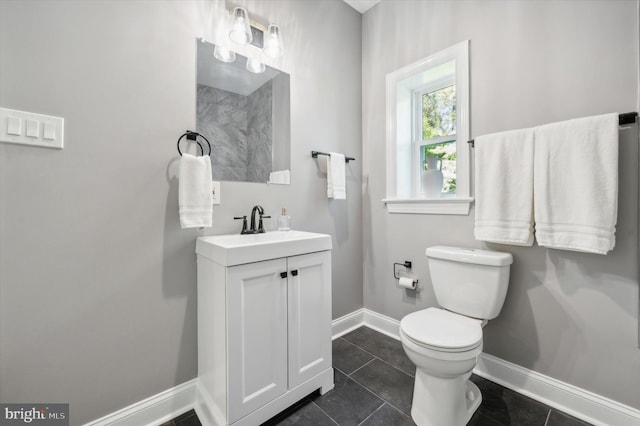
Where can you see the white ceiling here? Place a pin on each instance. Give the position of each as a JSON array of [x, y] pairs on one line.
[[362, 5]]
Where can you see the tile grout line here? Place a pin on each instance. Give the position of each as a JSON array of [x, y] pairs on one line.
[[382, 360], [372, 413], [377, 357], [380, 397], [384, 401], [393, 366], [325, 413], [546, 421], [361, 367], [370, 390], [367, 389]]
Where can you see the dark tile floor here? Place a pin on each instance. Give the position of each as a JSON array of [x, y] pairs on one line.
[[374, 387]]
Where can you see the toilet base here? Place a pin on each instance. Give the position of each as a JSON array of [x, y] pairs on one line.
[[438, 401]]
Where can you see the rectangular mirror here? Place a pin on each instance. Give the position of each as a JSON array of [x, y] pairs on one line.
[[246, 118]]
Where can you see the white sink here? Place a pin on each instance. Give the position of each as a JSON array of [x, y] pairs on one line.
[[235, 249]]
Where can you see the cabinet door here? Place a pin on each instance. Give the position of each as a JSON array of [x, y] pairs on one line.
[[257, 335], [309, 316]]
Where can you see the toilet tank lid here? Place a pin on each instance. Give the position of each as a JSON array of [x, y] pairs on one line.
[[470, 255]]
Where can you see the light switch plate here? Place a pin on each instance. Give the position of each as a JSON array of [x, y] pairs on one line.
[[215, 192], [52, 129]]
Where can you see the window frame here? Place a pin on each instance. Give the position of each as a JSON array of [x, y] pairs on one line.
[[403, 187]]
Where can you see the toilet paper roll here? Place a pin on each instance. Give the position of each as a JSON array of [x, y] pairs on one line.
[[407, 282]]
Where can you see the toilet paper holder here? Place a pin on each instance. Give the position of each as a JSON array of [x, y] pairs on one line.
[[407, 266]]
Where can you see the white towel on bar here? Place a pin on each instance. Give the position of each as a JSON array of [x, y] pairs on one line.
[[336, 180], [576, 184], [504, 187], [194, 191]]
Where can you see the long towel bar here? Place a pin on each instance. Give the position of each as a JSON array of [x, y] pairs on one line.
[[626, 118]]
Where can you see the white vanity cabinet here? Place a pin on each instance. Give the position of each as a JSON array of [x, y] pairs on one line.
[[264, 329]]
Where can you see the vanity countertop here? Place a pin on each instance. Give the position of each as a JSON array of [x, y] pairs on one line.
[[236, 249]]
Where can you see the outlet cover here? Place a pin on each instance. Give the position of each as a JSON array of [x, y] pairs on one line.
[[215, 193]]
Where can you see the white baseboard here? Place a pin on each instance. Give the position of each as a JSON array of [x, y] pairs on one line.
[[570, 399], [345, 324], [382, 323], [154, 410]]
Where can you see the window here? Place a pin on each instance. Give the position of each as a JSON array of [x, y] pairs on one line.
[[428, 126]]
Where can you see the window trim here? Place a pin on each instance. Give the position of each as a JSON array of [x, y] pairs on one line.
[[400, 86]]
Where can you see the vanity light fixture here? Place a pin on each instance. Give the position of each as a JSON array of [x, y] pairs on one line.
[[240, 28], [241, 31]]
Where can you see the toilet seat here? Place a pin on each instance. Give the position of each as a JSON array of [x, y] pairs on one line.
[[442, 331]]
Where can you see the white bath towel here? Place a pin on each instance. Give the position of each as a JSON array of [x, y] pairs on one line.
[[194, 191], [576, 184], [336, 180], [504, 187]]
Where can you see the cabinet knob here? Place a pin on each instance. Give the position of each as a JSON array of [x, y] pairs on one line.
[[294, 272], [283, 275]]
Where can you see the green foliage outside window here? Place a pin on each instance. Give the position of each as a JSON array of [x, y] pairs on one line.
[[439, 120], [439, 113], [446, 152]]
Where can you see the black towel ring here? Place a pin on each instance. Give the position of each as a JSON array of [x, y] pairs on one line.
[[193, 136]]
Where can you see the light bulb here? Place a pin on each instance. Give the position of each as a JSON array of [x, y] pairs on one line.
[[240, 29], [223, 54], [255, 65], [273, 42]]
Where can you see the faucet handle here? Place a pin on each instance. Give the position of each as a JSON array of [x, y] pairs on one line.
[[244, 223], [260, 227]]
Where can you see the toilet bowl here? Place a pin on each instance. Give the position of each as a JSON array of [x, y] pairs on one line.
[[444, 358], [445, 343]]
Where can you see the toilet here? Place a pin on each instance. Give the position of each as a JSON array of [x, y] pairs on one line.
[[444, 343]]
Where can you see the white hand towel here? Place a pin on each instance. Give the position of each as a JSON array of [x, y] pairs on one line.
[[576, 184], [281, 177], [336, 181], [194, 191], [504, 187]]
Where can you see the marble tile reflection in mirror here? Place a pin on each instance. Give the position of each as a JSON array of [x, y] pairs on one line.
[[245, 116]]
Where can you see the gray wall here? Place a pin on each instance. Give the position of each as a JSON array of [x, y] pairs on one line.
[[97, 280], [567, 315]]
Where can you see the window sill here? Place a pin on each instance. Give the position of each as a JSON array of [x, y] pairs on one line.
[[453, 206]]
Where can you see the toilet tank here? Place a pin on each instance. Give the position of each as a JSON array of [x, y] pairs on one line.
[[470, 282]]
